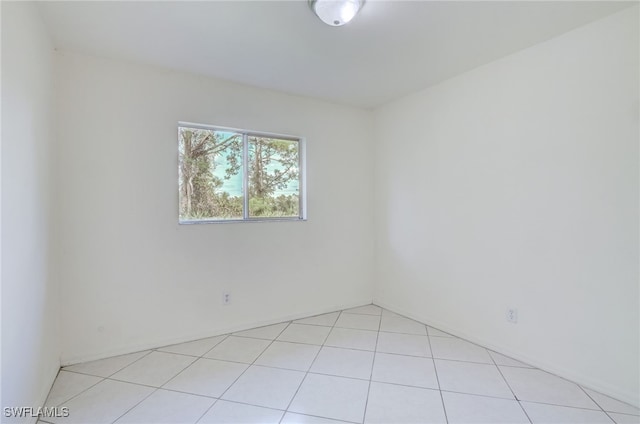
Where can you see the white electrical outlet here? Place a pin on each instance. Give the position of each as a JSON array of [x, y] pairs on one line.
[[226, 298], [512, 315]]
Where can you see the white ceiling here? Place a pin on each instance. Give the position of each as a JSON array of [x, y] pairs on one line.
[[390, 49]]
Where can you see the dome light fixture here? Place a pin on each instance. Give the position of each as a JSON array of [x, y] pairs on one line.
[[335, 12]]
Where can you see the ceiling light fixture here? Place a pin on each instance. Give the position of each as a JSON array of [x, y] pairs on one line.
[[336, 12]]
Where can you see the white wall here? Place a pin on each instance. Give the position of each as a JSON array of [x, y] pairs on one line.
[[30, 343], [516, 185], [131, 277]]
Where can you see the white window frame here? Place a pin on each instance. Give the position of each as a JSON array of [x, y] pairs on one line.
[[302, 175]]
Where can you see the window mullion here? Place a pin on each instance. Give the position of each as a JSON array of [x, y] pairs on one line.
[[301, 180], [245, 175]]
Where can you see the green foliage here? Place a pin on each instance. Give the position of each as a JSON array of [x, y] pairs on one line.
[[273, 164], [199, 188], [274, 206]]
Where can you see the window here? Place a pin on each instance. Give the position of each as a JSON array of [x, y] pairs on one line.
[[233, 175]]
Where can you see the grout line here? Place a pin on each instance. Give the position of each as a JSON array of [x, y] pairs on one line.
[[78, 394], [248, 337], [373, 364], [321, 417], [155, 388], [324, 338], [243, 372], [406, 334], [360, 329], [223, 337], [567, 406], [313, 325], [187, 393], [346, 312], [310, 366], [98, 382], [128, 365], [142, 400], [491, 352], [626, 414], [179, 391], [353, 328], [244, 403], [509, 386], [258, 338], [350, 310], [478, 395], [51, 388], [599, 406], [550, 373], [435, 370], [636, 414]]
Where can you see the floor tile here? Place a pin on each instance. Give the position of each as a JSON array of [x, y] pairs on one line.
[[403, 344], [238, 349], [331, 397], [103, 403], [270, 387], [549, 414], [292, 418], [294, 356], [612, 405], [194, 348], [310, 334], [402, 325], [207, 377], [366, 310], [321, 367], [352, 339], [506, 361], [435, 332], [358, 321], [624, 418], [68, 385], [408, 370], [164, 406], [224, 412], [155, 369], [458, 349], [108, 366], [463, 409], [389, 403], [270, 332], [539, 386], [325, 319], [343, 362], [467, 377]]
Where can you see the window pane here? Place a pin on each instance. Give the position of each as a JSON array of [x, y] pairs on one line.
[[210, 174], [274, 177]]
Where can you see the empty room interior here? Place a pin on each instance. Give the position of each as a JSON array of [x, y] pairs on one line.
[[320, 212]]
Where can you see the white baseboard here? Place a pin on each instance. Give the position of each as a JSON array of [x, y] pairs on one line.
[[559, 371], [123, 350]]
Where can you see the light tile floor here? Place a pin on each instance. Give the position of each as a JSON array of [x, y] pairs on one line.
[[361, 365]]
